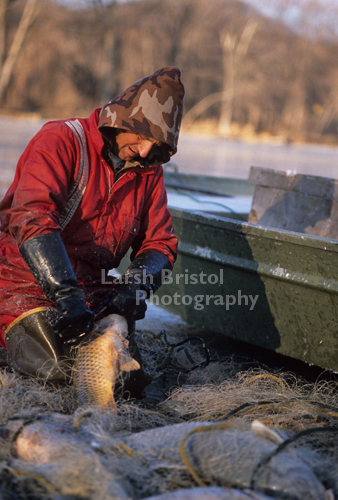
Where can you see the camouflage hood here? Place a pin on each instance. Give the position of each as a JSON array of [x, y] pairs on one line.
[[152, 107]]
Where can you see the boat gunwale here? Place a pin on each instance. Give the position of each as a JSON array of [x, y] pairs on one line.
[[256, 230]]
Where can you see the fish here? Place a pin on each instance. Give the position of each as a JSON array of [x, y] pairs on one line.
[[74, 461], [231, 456], [54, 452], [99, 362], [210, 493]]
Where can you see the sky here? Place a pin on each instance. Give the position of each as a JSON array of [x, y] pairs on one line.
[[293, 13], [265, 6], [290, 12], [268, 7]]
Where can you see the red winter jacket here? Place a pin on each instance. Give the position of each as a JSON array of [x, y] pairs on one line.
[[114, 215]]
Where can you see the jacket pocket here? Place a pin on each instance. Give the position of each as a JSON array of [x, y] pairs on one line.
[[130, 228]]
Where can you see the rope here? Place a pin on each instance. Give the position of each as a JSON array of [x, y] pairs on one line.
[[210, 202], [252, 404], [181, 343], [184, 454], [282, 447], [264, 375]]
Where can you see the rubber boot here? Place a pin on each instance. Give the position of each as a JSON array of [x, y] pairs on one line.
[[133, 383], [3, 357], [34, 350]]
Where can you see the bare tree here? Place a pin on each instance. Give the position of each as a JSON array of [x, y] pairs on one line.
[[9, 63], [108, 65], [3, 9], [234, 51], [237, 65]]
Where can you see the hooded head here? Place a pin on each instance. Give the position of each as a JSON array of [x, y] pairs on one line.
[[152, 107]]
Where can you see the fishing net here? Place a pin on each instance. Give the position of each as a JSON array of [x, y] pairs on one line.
[[161, 443]]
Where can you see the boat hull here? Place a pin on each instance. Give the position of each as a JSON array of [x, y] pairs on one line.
[[274, 289]]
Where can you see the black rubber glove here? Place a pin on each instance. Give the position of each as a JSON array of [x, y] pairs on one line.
[[128, 298], [48, 261]]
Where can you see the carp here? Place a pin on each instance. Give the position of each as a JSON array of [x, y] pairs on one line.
[[75, 462], [69, 464], [100, 360], [230, 456], [210, 493]]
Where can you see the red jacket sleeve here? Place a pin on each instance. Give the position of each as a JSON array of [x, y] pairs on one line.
[[40, 187]]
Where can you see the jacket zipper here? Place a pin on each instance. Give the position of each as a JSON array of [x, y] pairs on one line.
[[110, 185], [118, 177]]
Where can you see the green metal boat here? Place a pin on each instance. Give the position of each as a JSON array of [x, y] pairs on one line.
[[271, 287], [228, 197]]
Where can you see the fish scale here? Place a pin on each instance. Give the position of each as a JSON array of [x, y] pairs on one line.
[[100, 361]]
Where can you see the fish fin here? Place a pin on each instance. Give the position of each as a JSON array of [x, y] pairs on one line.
[[329, 495], [127, 363], [263, 431]]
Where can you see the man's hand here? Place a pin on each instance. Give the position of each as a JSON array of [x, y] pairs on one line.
[[128, 300], [74, 320], [143, 277]]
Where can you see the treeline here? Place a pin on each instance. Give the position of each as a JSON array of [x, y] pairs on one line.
[[242, 71]]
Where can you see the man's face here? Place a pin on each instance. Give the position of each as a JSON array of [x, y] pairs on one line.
[[129, 145]]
